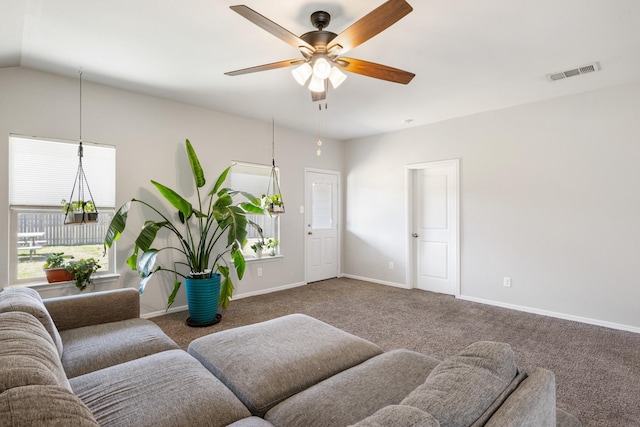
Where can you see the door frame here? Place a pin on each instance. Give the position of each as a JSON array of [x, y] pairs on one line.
[[338, 218], [410, 171]]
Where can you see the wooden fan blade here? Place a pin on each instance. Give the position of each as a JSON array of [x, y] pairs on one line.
[[377, 71], [370, 25], [265, 67], [271, 27]]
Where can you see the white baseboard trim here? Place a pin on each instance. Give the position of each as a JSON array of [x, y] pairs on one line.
[[557, 315], [268, 291], [163, 312], [235, 297], [380, 282]]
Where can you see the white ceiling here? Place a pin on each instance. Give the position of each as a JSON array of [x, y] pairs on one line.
[[469, 56]]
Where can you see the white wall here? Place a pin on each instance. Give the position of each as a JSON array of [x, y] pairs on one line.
[[550, 196], [149, 134]]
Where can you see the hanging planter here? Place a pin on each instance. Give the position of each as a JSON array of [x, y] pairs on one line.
[[80, 210], [272, 201]]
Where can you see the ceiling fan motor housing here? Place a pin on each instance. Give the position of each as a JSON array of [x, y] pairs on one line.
[[320, 19]]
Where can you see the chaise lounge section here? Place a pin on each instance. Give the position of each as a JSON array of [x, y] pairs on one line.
[[90, 360]]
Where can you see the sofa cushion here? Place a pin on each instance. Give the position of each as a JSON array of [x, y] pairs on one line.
[[532, 404], [95, 347], [267, 362], [164, 389], [28, 300], [251, 422], [355, 393], [463, 386], [27, 354], [43, 406], [399, 416]]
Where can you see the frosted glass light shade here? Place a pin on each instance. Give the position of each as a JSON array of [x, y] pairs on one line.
[[316, 85], [336, 77], [321, 68], [302, 73]]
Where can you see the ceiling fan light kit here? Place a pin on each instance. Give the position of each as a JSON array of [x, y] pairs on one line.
[[322, 49]]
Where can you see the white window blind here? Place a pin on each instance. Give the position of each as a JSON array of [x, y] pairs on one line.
[[252, 178], [43, 172]]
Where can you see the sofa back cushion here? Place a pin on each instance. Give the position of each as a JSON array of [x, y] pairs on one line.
[[28, 300], [43, 406], [399, 416], [27, 353], [462, 387]]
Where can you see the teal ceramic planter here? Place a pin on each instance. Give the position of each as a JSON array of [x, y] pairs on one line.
[[202, 297]]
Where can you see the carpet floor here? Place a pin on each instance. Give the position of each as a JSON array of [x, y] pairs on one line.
[[597, 369]]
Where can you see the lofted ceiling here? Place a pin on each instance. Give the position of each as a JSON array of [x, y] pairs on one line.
[[469, 56]]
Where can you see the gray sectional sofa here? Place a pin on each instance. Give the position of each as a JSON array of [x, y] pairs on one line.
[[90, 360]]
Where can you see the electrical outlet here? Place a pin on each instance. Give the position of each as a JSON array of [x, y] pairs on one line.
[[259, 271], [506, 282], [390, 265]]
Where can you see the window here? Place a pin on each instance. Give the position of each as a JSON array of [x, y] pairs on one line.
[[41, 175], [254, 179]]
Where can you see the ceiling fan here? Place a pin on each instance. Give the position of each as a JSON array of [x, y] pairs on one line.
[[321, 50]]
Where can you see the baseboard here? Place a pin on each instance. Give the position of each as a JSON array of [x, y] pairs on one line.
[[163, 312], [557, 315], [267, 291], [235, 297], [380, 282]]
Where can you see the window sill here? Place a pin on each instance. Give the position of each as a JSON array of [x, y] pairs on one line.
[[265, 258], [103, 278]]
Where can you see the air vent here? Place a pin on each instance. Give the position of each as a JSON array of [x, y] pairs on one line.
[[589, 68]]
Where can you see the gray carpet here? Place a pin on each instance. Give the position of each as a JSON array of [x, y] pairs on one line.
[[597, 369]]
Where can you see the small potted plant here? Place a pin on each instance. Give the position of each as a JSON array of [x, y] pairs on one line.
[[55, 268], [272, 244], [73, 211], [90, 209], [272, 203], [81, 271], [258, 246], [79, 211]]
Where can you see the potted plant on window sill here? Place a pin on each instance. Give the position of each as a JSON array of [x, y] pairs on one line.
[[206, 232], [63, 268], [258, 247], [55, 268], [272, 245]]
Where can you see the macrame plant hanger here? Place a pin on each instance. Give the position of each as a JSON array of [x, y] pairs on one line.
[[273, 202], [80, 210]]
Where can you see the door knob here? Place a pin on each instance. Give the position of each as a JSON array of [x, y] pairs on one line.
[[415, 235], [309, 233]]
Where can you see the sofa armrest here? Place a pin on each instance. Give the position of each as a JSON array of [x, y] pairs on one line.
[[70, 312], [533, 403]]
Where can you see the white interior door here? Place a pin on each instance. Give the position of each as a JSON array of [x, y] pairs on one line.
[[321, 220], [435, 231]]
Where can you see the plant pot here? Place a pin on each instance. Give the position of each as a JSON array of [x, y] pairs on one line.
[[55, 275], [202, 298], [258, 253], [92, 216]]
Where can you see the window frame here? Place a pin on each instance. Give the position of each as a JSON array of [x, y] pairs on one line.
[[247, 251], [16, 210]]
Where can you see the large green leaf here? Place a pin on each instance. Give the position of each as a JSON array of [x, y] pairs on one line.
[[221, 179], [237, 225], [172, 297], [252, 208], [226, 286], [239, 262], [132, 261], [176, 200], [223, 201], [198, 174], [146, 262], [117, 225], [148, 234]]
